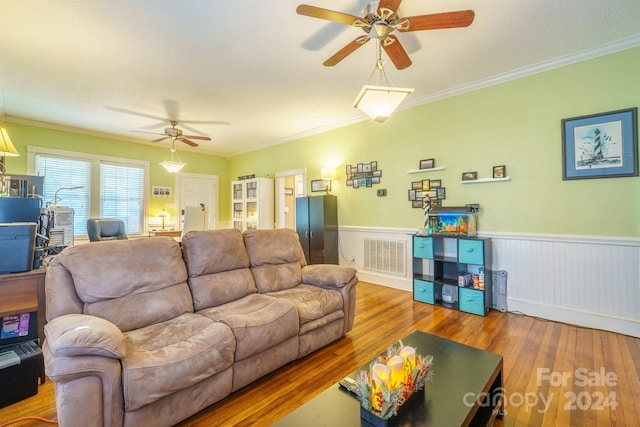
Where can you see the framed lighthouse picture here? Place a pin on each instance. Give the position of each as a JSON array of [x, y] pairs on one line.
[[601, 145]]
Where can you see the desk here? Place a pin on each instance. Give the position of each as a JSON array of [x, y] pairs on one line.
[[24, 292], [167, 233]]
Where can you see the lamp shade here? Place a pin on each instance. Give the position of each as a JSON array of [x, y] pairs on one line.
[[328, 173], [6, 146], [378, 102]]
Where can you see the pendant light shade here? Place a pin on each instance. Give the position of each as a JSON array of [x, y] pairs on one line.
[[378, 102], [173, 164]]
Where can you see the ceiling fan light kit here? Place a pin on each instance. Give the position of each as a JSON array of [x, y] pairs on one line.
[[173, 164], [378, 102], [379, 19]]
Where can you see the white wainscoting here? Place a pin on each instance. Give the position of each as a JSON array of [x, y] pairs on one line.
[[583, 280]]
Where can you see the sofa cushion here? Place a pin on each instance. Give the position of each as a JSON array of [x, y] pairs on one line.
[[218, 266], [258, 322], [312, 303], [170, 356], [276, 258], [214, 251], [131, 283]]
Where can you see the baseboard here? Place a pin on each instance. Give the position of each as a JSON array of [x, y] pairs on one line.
[[575, 317]]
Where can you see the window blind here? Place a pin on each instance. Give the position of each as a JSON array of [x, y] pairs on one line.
[[60, 174], [121, 194]]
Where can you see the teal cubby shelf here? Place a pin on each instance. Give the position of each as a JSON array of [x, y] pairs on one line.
[[453, 272]]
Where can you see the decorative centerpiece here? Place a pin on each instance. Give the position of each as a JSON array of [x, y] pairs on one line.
[[392, 383]]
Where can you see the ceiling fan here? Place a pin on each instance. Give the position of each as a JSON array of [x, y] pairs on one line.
[[379, 19], [175, 134]]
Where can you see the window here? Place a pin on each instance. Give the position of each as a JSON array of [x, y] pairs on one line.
[[94, 186]]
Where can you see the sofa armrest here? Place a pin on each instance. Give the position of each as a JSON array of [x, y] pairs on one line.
[[84, 335], [328, 275]]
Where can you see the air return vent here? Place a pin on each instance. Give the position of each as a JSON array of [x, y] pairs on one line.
[[385, 256]]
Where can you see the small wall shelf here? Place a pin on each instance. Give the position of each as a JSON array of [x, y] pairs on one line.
[[476, 181], [439, 168]]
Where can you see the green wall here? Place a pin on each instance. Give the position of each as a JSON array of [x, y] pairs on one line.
[[516, 124], [24, 135]]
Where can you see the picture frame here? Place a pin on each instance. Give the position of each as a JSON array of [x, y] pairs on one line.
[[499, 171], [426, 185], [318, 185], [441, 193], [469, 176], [416, 185], [435, 183], [161, 191], [427, 163], [412, 195], [603, 145], [288, 191]]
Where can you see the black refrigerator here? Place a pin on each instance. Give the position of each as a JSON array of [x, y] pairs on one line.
[[317, 226]]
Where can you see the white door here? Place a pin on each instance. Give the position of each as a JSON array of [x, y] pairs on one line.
[[289, 185], [197, 190]]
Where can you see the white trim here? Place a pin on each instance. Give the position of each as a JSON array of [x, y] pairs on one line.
[[33, 151]]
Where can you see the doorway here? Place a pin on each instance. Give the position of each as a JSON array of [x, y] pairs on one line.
[[197, 190], [289, 185]]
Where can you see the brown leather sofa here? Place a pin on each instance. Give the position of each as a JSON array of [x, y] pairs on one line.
[[146, 333]]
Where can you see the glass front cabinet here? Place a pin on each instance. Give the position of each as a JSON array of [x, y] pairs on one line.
[[252, 204]]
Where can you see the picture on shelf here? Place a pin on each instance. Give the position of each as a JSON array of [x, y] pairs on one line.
[[427, 164], [469, 176], [499, 171]]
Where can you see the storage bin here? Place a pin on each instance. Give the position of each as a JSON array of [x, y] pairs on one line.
[[422, 247], [471, 251], [472, 301], [423, 291]]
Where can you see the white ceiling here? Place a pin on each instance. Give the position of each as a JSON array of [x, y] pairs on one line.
[[113, 66]]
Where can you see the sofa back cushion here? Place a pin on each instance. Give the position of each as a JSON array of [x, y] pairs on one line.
[[276, 258], [132, 283], [218, 267]]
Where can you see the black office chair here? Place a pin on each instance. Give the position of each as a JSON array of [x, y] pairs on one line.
[[100, 229]]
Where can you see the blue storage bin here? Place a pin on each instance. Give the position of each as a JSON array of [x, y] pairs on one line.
[[422, 247], [423, 291], [471, 251], [471, 301]]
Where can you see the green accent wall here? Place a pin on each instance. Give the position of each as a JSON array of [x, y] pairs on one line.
[[25, 135], [517, 124]]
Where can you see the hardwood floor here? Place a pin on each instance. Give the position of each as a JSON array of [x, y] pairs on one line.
[[601, 369]]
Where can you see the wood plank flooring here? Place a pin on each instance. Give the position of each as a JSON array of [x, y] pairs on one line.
[[601, 369]]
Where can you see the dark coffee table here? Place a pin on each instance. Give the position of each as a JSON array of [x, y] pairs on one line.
[[466, 390]]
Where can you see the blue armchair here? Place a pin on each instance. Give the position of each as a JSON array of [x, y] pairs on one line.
[[100, 229]]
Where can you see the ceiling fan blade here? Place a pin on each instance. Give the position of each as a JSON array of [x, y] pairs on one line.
[[390, 4], [329, 15], [151, 133], [437, 21], [396, 52], [186, 141], [346, 51], [203, 138], [160, 139]]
